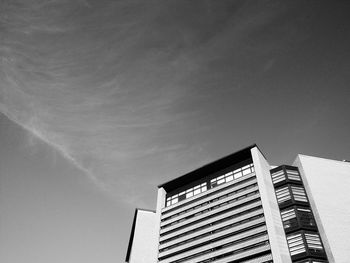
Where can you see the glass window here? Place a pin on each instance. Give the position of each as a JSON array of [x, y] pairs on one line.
[[230, 176], [189, 194], [296, 244], [227, 177], [246, 171], [293, 175], [278, 176], [186, 194], [299, 193], [313, 241], [238, 175], [289, 218], [283, 194]]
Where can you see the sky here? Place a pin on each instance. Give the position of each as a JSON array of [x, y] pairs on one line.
[[101, 101]]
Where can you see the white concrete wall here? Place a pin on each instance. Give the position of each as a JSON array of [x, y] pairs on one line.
[[161, 196], [144, 246], [327, 184], [278, 242]]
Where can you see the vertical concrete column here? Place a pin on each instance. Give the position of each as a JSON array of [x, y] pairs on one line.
[[278, 241], [160, 205]]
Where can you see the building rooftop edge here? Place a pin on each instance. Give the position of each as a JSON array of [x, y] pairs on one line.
[[132, 232], [145, 210], [131, 238], [210, 167], [324, 158]]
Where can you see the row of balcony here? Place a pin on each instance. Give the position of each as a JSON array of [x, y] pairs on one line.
[[301, 230]]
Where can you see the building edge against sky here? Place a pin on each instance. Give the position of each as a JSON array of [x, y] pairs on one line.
[[242, 209]]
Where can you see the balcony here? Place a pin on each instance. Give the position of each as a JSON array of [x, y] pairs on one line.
[[285, 174], [298, 218]]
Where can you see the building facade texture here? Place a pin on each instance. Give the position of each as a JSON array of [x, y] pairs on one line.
[[241, 209]]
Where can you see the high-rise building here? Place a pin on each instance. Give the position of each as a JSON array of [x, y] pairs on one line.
[[242, 209]]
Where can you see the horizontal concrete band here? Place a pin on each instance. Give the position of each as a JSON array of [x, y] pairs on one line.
[[210, 204], [210, 214], [218, 252], [219, 243], [260, 259], [209, 220], [217, 235], [251, 252], [211, 228], [186, 210], [209, 195], [170, 208]]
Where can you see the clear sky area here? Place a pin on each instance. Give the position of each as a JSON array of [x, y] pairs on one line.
[[101, 101]]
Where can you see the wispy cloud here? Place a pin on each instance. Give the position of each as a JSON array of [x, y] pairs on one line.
[[112, 83]]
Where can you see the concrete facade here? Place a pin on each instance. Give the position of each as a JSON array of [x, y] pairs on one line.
[[327, 183], [242, 209], [143, 240]]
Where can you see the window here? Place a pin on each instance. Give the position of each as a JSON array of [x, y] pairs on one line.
[[299, 193], [289, 218], [283, 194], [305, 216], [186, 194], [282, 175], [304, 242], [227, 177], [293, 175], [297, 216], [278, 176], [296, 244], [313, 242], [232, 175], [286, 193], [172, 200]]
